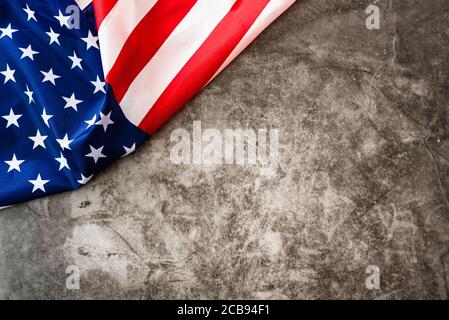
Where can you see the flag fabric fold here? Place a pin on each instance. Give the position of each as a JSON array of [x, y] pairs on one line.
[[76, 96], [158, 54]]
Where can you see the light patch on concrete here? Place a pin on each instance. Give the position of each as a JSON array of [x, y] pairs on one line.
[[271, 244], [94, 247]]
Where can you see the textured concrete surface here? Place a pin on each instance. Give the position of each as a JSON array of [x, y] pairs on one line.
[[363, 178]]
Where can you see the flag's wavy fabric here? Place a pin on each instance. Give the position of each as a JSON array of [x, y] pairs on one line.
[[76, 94], [177, 46]]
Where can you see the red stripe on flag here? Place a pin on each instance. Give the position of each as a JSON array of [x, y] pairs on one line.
[[204, 63], [145, 41], [102, 9]]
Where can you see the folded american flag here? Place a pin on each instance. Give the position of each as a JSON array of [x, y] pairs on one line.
[[72, 99]]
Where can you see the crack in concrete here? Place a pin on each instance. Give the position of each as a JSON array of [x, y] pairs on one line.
[[437, 169], [434, 162], [379, 198], [342, 83]]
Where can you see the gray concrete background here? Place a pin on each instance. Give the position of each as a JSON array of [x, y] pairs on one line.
[[363, 178]]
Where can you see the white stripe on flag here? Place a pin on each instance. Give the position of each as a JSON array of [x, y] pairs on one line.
[[271, 12], [117, 27], [173, 55], [82, 4]]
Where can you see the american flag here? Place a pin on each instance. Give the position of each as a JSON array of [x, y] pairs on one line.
[[73, 98]]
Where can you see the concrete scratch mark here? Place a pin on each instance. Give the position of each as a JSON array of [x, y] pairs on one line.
[[134, 251], [435, 163], [437, 169], [379, 198]]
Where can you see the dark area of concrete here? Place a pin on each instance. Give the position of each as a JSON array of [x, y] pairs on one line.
[[362, 179]]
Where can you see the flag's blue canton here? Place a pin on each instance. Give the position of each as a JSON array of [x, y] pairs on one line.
[[59, 122]]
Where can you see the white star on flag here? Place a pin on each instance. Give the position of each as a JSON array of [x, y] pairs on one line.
[[72, 102], [128, 151], [63, 20], [91, 41], [76, 61], [96, 153], [84, 179], [105, 120], [14, 164], [12, 119], [46, 117], [62, 162], [9, 74], [99, 85], [28, 53], [64, 143], [30, 13], [38, 140], [53, 36], [50, 76], [39, 184], [91, 122], [7, 32], [29, 95]]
